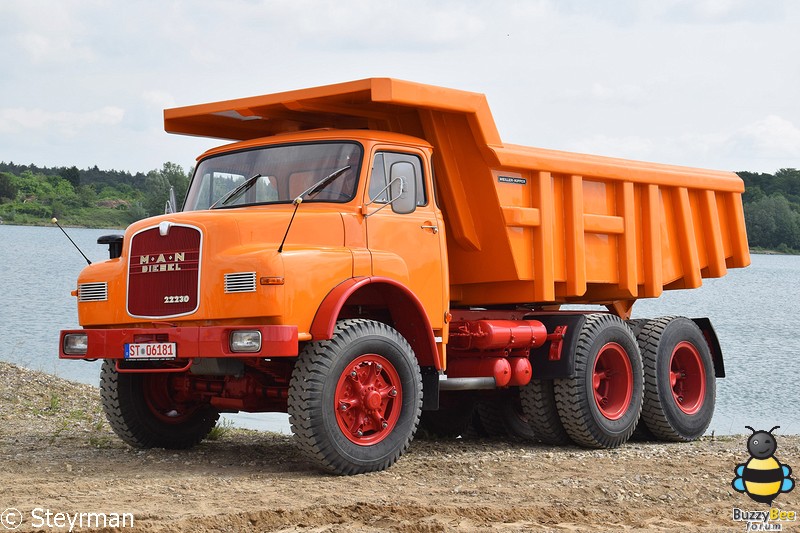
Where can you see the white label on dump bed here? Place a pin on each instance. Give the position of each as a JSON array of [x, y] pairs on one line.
[[516, 181]]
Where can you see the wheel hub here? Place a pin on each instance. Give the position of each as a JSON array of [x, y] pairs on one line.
[[687, 377], [164, 400], [368, 399], [612, 381]]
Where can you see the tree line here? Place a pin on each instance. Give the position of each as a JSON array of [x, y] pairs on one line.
[[110, 198], [772, 209], [90, 197]]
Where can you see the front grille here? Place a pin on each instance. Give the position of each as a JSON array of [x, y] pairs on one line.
[[240, 282], [164, 271], [93, 292]]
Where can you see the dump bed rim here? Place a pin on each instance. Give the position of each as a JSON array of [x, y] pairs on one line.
[[588, 166]]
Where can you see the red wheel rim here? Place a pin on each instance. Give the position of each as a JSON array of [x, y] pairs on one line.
[[687, 377], [159, 397], [368, 399], [612, 381]]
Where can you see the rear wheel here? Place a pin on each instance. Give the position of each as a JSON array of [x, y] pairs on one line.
[[355, 400], [451, 420], [680, 386], [636, 325], [600, 406], [539, 404], [504, 416], [641, 433], [146, 412]]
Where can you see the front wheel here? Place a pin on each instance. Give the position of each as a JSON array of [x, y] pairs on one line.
[[355, 400], [145, 411]]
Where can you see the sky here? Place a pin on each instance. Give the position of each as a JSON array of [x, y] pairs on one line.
[[704, 83]]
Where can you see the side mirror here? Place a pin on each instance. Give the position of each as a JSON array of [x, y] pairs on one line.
[[114, 243], [403, 185]]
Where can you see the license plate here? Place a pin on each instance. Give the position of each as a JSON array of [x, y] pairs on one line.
[[151, 350]]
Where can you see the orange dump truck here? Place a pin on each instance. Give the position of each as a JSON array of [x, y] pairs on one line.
[[371, 258]]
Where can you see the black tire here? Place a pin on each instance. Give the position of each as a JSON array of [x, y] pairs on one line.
[[142, 413], [489, 420], [353, 440], [604, 417], [636, 325], [641, 433], [451, 420], [682, 413], [476, 429], [503, 416], [539, 404]]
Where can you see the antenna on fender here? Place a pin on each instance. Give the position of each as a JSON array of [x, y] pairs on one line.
[[55, 221]]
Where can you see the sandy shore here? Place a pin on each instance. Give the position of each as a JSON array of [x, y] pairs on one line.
[[58, 454]]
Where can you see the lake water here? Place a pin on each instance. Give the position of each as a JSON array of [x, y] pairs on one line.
[[754, 310]]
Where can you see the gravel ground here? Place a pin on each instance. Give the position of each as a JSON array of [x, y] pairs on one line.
[[57, 453]]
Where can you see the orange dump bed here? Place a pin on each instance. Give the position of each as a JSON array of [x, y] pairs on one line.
[[523, 224]]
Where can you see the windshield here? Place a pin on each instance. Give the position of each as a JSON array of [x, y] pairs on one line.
[[276, 174]]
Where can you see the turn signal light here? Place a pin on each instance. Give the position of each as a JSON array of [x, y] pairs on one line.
[[276, 280]]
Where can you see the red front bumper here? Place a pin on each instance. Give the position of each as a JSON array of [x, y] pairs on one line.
[[192, 342]]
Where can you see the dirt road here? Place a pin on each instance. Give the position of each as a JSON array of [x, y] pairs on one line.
[[58, 454]]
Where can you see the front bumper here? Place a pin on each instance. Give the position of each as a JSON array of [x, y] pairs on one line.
[[191, 342]]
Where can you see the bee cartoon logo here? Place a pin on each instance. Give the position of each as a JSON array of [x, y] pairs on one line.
[[762, 477]]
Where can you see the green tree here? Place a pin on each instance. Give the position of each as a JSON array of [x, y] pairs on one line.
[[156, 193], [787, 181], [72, 175], [771, 222], [177, 178], [7, 187], [87, 196], [157, 185]]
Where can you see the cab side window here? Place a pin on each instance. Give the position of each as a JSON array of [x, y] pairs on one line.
[[382, 166]]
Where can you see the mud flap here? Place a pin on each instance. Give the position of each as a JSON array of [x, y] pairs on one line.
[[563, 367]]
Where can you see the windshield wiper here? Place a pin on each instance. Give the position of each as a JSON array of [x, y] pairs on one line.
[[236, 191], [314, 189], [321, 184]]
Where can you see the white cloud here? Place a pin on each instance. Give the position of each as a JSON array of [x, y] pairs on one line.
[[159, 99], [622, 94], [17, 120], [721, 11], [770, 137], [53, 48], [679, 81], [628, 147], [49, 32], [764, 145]]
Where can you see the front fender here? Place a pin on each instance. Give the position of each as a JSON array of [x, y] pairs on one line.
[[407, 312]]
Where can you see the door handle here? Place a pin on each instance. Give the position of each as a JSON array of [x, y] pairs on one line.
[[434, 228]]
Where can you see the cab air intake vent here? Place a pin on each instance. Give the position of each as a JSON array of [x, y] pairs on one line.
[[93, 292], [240, 282]]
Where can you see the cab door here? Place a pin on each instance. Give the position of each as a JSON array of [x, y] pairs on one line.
[[405, 237]]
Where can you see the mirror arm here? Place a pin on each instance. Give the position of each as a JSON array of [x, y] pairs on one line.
[[377, 210], [379, 193]]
